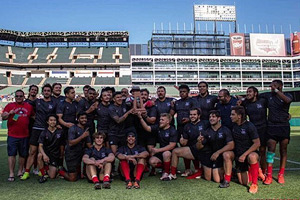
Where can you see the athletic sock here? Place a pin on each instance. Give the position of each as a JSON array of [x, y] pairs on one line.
[[270, 171], [196, 165], [139, 171], [167, 167], [95, 179], [187, 163], [106, 178], [42, 170], [27, 170], [125, 169], [61, 172], [263, 170], [250, 174], [281, 171], [254, 172], [159, 165], [46, 167], [227, 178], [173, 170]]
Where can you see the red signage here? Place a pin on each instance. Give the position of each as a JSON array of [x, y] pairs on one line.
[[237, 44], [295, 44]]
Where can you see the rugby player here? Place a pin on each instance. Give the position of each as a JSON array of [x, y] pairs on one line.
[[98, 160], [102, 113], [57, 92], [132, 161], [163, 104]]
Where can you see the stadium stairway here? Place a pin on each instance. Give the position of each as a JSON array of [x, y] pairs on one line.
[[43, 81], [9, 81], [25, 81], [93, 81]]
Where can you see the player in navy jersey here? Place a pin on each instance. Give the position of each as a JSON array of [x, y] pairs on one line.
[[278, 127], [167, 139], [132, 161], [205, 101], [102, 113], [163, 103], [50, 147], [78, 139], [57, 92], [98, 160], [182, 109], [246, 142], [256, 109], [226, 102], [43, 107]]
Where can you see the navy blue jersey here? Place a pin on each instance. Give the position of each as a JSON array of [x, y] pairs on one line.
[[42, 110], [68, 110], [52, 142], [225, 111], [257, 112], [182, 108], [163, 106], [125, 150], [76, 150], [192, 131], [59, 99], [242, 136], [206, 104], [103, 118], [278, 109], [165, 136], [115, 129], [98, 155], [83, 106]]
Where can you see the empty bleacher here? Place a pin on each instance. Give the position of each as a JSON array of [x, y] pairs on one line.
[[42, 55], [107, 55], [52, 80], [3, 79], [34, 80], [105, 81], [22, 54], [125, 80], [11, 90], [63, 54], [17, 79], [81, 81], [3, 51], [125, 55]]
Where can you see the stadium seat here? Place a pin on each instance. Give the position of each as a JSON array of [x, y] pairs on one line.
[[17, 79], [81, 81]]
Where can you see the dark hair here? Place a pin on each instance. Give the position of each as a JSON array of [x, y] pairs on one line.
[[86, 87], [81, 114], [19, 91], [215, 112], [92, 89], [31, 86], [55, 84], [52, 115], [110, 89], [184, 87], [167, 115], [161, 87], [47, 86], [116, 93], [199, 111], [145, 90], [278, 82], [97, 134], [203, 82], [225, 91], [254, 90], [240, 110], [67, 89]]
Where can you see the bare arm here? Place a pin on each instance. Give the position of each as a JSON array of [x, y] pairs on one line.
[[283, 97], [228, 147], [121, 119], [86, 159], [77, 140], [144, 124], [169, 147], [62, 122]]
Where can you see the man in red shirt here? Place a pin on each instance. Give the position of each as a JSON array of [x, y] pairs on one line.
[[18, 115]]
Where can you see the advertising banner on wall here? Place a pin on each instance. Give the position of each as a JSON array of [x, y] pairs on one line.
[[267, 44], [295, 44], [237, 44]]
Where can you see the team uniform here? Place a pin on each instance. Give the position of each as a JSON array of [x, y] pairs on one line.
[[51, 145], [18, 133], [257, 112], [182, 108], [42, 110], [191, 131], [74, 154], [213, 141], [103, 118], [163, 107], [58, 99], [83, 106], [242, 136], [98, 155], [278, 117], [206, 104], [225, 111]]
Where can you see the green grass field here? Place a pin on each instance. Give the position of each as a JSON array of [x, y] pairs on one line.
[[151, 187]]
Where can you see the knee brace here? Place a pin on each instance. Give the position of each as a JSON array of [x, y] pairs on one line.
[[270, 157]]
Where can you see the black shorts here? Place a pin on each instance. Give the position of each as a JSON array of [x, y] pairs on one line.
[[203, 157], [73, 164], [218, 163], [17, 146], [55, 162], [180, 129], [160, 156], [279, 133], [145, 140], [116, 140], [263, 136], [34, 138], [242, 166]]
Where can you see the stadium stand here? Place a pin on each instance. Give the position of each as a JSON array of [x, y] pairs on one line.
[[81, 81], [105, 81], [22, 54], [3, 51], [43, 54], [125, 80], [11, 90], [52, 80], [17, 79], [107, 56], [35, 81], [125, 55], [3, 79], [62, 55]]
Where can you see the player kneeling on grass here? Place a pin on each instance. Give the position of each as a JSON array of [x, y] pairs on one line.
[[246, 142], [51, 143], [167, 138], [213, 143], [132, 161], [98, 160]]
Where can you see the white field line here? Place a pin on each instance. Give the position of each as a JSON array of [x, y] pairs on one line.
[[290, 161]]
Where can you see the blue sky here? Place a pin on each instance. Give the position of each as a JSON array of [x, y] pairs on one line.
[[138, 16]]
